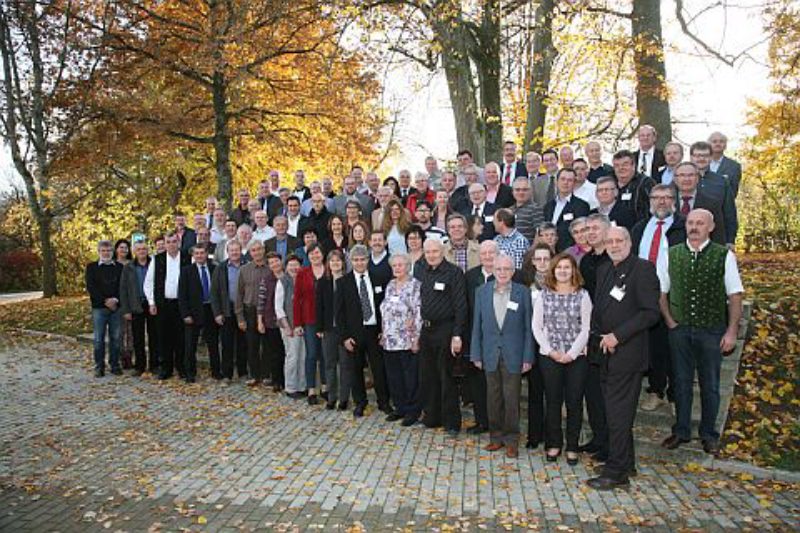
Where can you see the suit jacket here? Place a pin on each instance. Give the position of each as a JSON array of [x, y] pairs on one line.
[[304, 194], [676, 233], [129, 301], [513, 341], [190, 292], [271, 205], [473, 278], [270, 245], [658, 161], [575, 208], [731, 170], [188, 239], [319, 221], [350, 317], [329, 304], [459, 199], [505, 196], [518, 170], [220, 298], [367, 205], [473, 254], [716, 187], [704, 201], [160, 274], [540, 185], [621, 215], [404, 197], [630, 318], [487, 218]]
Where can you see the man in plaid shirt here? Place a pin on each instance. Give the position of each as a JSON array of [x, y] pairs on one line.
[[509, 241]]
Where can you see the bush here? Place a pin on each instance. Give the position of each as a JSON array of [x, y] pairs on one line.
[[20, 270]]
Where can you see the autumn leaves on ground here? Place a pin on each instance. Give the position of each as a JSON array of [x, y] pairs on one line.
[[764, 423]]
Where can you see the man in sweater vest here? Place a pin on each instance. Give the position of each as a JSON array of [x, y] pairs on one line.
[[701, 303]]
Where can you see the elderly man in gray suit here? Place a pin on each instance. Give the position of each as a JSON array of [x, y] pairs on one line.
[[728, 168], [502, 345]]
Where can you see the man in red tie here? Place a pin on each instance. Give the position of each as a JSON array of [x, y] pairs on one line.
[[652, 239], [511, 166]]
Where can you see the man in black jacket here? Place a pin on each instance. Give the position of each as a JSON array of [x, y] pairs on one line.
[[102, 284], [607, 194], [194, 300], [224, 287], [634, 188], [133, 307], [360, 324], [626, 306], [565, 208]]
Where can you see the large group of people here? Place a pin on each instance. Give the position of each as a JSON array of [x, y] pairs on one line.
[[580, 277]]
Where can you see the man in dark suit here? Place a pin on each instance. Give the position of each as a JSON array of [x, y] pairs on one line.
[[224, 287], [161, 291], [690, 196], [282, 243], [301, 192], [268, 202], [194, 300], [459, 200], [626, 306], [565, 208], [717, 187], [187, 235], [406, 189], [511, 166], [648, 158], [479, 207], [617, 212], [728, 168], [652, 239], [544, 186], [360, 324], [296, 222], [102, 284], [673, 154], [503, 194], [634, 187]]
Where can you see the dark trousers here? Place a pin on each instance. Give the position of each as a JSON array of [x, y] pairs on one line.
[[234, 348], [595, 406], [366, 350], [170, 333], [334, 354], [535, 403], [276, 356], [439, 389], [476, 383], [563, 384], [621, 394], [503, 390], [402, 371], [141, 322], [257, 346], [210, 333], [696, 348], [659, 375]]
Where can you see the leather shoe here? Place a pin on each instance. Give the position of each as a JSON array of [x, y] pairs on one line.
[[453, 432], [589, 447], [330, 406], [358, 412], [477, 429], [394, 417], [493, 447], [386, 408], [116, 371], [532, 444], [408, 422], [572, 458], [711, 447], [512, 452], [599, 469], [343, 406], [163, 377], [673, 441], [99, 373], [312, 399], [606, 483]]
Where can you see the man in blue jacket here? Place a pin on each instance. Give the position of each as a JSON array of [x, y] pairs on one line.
[[502, 345]]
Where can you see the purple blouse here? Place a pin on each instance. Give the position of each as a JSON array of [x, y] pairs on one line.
[[400, 310]]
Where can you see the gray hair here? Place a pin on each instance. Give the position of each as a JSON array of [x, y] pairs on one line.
[[574, 223], [404, 257], [502, 256], [599, 217], [104, 243], [232, 241], [359, 250]]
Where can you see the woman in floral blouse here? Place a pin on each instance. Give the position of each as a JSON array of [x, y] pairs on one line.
[[402, 323]]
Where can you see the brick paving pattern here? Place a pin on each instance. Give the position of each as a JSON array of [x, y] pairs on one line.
[[129, 454]]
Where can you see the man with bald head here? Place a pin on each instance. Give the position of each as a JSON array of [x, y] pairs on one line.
[[626, 306], [594, 157], [444, 315], [728, 168], [701, 302]]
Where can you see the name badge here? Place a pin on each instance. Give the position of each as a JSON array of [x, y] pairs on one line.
[[618, 293], [378, 289], [568, 216], [626, 196], [489, 219], [438, 286], [512, 306]]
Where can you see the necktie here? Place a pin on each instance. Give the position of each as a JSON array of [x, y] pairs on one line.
[[507, 175], [476, 211], [366, 308], [656, 243], [204, 281], [685, 208], [643, 170], [489, 278], [551, 188]]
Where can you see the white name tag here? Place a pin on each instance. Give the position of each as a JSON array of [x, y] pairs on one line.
[[489, 219], [512, 306], [438, 286], [378, 289], [568, 216], [626, 196], [618, 293]]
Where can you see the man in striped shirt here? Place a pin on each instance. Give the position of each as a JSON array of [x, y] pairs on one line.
[[527, 214]]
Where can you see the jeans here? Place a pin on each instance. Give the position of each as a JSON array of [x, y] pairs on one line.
[[696, 347], [314, 356], [104, 319], [294, 366]]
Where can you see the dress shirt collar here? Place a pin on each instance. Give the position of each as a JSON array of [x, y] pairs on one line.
[[486, 274], [700, 249], [379, 258], [101, 262]]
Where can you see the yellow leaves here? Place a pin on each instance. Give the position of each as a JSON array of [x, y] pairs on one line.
[[202, 520], [693, 467]]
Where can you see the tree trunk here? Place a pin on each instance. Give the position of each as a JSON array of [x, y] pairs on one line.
[[49, 278], [544, 54], [652, 95], [487, 60], [222, 142]]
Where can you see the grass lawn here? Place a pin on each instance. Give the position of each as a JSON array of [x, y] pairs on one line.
[[63, 315]]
